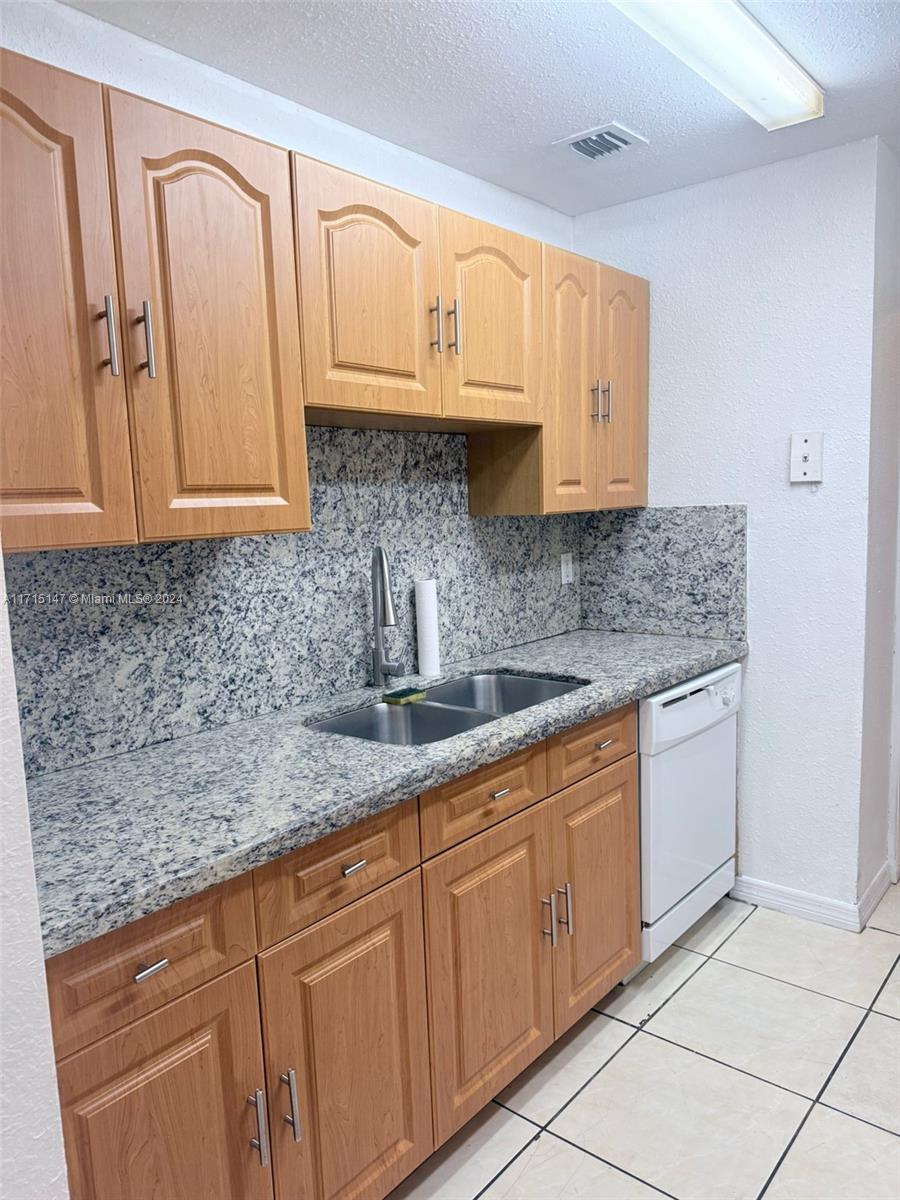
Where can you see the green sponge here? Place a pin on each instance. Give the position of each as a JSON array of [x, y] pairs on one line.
[[404, 696]]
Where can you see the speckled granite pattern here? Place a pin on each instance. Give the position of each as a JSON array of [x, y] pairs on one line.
[[128, 835], [666, 570], [275, 621]]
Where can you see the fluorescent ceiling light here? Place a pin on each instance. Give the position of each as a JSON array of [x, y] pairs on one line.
[[729, 49]]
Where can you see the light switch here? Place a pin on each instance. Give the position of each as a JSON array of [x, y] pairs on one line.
[[807, 451], [567, 568]]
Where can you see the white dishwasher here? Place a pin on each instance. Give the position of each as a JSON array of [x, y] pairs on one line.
[[688, 746]]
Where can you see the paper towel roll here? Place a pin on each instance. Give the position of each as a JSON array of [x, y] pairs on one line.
[[427, 627]]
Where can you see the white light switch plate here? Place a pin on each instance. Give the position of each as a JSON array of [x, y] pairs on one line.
[[566, 568], [807, 452]]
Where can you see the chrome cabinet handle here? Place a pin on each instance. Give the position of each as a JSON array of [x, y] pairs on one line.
[[499, 795], [456, 314], [109, 316], [597, 390], [608, 392], [261, 1142], [553, 932], [569, 919], [604, 745], [438, 309], [145, 972], [354, 867], [289, 1078], [146, 318]]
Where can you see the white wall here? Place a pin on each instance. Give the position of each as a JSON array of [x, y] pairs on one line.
[[878, 794], [761, 324], [32, 1166], [53, 33]]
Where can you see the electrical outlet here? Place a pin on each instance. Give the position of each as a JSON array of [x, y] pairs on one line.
[[566, 568]]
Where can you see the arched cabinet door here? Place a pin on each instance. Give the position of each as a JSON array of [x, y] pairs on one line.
[[369, 285], [206, 236], [571, 365], [491, 287], [65, 461], [624, 342]]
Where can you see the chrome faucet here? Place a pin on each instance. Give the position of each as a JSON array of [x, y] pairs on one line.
[[385, 616]]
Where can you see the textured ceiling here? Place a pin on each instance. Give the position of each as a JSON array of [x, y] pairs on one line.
[[487, 86]]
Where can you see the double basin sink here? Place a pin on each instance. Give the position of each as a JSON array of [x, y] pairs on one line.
[[449, 708]]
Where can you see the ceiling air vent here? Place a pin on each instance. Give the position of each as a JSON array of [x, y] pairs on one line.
[[605, 139]]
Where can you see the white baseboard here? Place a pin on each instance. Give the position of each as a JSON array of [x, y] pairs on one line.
[[798, 904], [871, 897]]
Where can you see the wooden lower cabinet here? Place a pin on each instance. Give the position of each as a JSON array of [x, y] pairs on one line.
[[490, 967], [159, 1109], [344, 1009], [360, 1069], [595, 851], [500, 988]]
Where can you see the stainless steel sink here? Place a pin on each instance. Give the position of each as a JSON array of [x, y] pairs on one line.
[[405, 724], [499, 692]]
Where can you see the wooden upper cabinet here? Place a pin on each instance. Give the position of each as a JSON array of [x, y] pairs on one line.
[[594, 834], [206, 238], [160, 1109], [571, 369], [490, 969], [345, 1024], [492, 350], [65, 462], [368, 282], [624, 347]]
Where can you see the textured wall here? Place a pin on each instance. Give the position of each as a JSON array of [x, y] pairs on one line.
[[761, 323], [666, 570], [60, 35], [266, 622], [31, 1153]]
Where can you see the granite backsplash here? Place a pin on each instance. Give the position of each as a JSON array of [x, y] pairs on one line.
[[256, 624], [261, 623], [666, 570]]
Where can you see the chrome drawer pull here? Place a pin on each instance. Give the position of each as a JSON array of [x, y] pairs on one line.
[[289, 1078], [438, 309], [605, 745], [596, 415], [146, 317], [456, 314], [499, 795], [261, 1142], [553, 932], [109, 316], [144, 972], [354, 867], [569, 919]]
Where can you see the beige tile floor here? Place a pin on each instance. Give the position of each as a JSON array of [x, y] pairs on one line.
[[759, 1057]]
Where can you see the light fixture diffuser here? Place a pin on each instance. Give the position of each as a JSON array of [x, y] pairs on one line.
[[729, 49]]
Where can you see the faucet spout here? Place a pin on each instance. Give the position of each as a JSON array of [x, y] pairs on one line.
[[385, 616]]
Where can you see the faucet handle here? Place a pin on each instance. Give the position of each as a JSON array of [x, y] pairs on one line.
[[394, 668]]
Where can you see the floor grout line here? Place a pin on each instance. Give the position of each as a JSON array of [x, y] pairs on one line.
[[607, 1162], [587, 1082], [854, 1117], [730, 1066], [493, 1179], [753, 908], [831, 1075], [799, 986], [538, 1126]]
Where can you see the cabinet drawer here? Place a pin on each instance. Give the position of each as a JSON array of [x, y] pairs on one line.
[[302, 887], [463, 807], [578, 752], [96, 988]]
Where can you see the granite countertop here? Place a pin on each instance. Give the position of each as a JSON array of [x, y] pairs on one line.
[[124, 836]]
